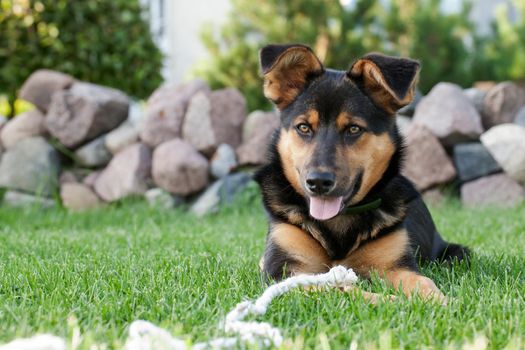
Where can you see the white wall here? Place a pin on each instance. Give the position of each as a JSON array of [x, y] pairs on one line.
[[184, 19]]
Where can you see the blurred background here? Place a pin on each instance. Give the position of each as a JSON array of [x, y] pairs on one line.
[[172, 62], [107, 42]]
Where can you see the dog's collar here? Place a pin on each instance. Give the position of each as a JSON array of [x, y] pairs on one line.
[[357, 209]]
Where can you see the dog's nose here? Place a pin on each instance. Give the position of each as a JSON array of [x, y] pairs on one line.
[[320, 182]]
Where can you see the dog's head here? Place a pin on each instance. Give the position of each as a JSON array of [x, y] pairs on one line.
[[337, 127]]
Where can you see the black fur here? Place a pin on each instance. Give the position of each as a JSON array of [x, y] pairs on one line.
[[269, 54], [399, 73]]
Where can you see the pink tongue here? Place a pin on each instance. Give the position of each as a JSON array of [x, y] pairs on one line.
[[324, 209]]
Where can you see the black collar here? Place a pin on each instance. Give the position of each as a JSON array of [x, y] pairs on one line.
[[357, 209]]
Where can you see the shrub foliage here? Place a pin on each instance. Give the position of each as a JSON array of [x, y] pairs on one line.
[[103, 41], [445, 43]]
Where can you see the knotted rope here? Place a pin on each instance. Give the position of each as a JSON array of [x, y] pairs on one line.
[[145, 336]]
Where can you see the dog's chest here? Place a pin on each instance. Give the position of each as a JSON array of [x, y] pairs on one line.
[[336, 236]]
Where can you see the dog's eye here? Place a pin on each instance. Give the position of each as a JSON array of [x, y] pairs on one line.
[[304, 128], [354, 129]]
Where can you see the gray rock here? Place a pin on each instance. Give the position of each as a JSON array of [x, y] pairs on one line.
[[214, 118], [234, 184], [223, 161], [31, 165], [473, 160], [127, 174], [91, 178], [502, 103], [85, 112], [21, 200], [497, 189], [23, 126], [3, 121], [409, 109], [228, 113], [476, 97], [520, 117], [165, 112], [197, 128], [448, 114], [123, 136], [403, 124], [157, 197], [221, 192], [179, 168], [506, 143], [426, 162], [93, 154], [67, 177], [258, 130], [257, 121], [136, 113], [209, 201], [42, 84], [78, 197]]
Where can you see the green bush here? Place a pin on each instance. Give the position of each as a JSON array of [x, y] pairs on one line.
[[103, 41], [336, 34], [446, 44], [501, 54], [420, 30]]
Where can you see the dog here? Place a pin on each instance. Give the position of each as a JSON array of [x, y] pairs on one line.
[[332, 186]]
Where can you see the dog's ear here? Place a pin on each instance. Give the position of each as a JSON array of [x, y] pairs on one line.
[[286, 69], [388, 81]]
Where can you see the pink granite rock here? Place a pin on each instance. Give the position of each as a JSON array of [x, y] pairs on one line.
[[165, 112], [497, 189], [502, 103], [126, 174], [84, 112], [426, 162], [448, 114], [214, 118], [257, 133], [77, 196], [25, 125], [42, 84], [506, 143], [178, 168]]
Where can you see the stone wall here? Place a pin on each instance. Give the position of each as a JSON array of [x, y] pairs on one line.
[[94, 145], [473, 138], [188, 144]]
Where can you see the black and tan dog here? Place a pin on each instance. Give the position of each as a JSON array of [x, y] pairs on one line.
[[332, 187]]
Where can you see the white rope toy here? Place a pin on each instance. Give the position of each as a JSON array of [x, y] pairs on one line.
[[144, 335]]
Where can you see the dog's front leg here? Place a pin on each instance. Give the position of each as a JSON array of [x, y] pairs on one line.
[[291, 251], [411, 282], [391, 258]]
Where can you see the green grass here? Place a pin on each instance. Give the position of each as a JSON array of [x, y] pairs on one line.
[[98, 271]]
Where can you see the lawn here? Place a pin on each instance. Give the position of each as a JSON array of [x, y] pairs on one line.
[[98, 271]]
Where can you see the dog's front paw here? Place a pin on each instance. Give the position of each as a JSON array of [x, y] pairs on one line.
[[427, 289]]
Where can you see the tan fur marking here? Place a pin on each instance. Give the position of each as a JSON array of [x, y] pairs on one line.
[[294, 155], [412, 283], [285, 79], [372, 153], [313, 119], [379, 255], [302, 247], [378, 89], [344, 119]]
